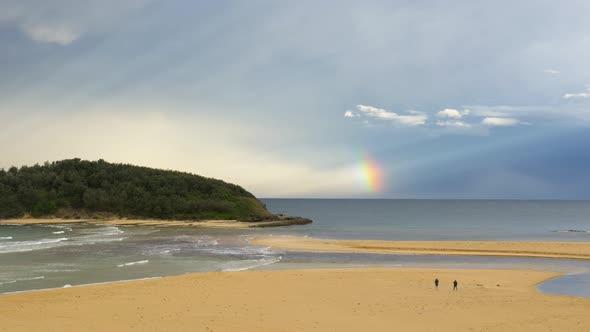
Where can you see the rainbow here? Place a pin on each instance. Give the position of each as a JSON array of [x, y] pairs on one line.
[[371, 175]]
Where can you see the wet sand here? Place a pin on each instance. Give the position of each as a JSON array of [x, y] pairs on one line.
[[574, 250]]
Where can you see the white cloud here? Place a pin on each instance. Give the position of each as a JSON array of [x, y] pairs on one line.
[[449, 113], [379, 113], [506, 110], [412, 120], [489, 112], [551, 71], [576, 95], [63, 22], [61, 34], [500, 122], [557, 113], [579, 95], [351, 114], [457, 124]]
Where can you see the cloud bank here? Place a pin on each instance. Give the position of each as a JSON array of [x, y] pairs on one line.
[[250, 91], [466, 119]]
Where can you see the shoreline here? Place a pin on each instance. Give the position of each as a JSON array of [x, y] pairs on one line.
[[236, 224], [289, 300], [556, 275], [563, 250], [90, 284]]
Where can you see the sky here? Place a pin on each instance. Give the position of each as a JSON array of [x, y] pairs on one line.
[[356, 99]]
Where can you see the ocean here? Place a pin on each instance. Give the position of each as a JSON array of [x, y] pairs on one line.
[[52, 256]]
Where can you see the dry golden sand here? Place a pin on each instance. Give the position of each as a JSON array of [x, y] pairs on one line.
[[577, 250], [304, 300], [134, 222]]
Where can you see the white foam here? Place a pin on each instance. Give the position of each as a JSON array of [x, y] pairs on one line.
[[133, 263], [5, 237], [169, 251], [20, 246], [141, 231], [33, 278], [209, 243], [7, 282], [104, 230], [248, 264], [201, 240], [90, 236], [99, 235], [162, 250], [196, 242], [58, 270], [21, 279], [67, 228], [257, 251]]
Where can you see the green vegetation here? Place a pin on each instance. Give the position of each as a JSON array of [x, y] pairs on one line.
[[74, 188]]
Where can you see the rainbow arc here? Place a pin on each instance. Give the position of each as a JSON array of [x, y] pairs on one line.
[[372, 175]]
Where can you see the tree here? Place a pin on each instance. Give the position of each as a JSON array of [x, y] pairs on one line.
[[126, 190]]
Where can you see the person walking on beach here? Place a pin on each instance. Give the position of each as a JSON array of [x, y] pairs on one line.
[[455, 283], [436, 283]]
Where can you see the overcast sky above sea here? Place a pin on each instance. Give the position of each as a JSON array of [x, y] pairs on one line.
[[449, 99]]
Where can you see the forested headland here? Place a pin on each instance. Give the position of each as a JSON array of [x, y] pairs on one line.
[[77, 188]]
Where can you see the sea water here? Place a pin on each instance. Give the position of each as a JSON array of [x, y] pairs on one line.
[[50, 256], [491, 220]]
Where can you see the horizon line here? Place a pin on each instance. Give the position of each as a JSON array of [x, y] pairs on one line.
[[434, 199]]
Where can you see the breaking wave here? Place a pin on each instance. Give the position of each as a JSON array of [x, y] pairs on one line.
[[67, 228], [21, 279], [101, 234], [242, 251], [133, 263], [78, 238], [201, 240], [248, 264], [20, 246]]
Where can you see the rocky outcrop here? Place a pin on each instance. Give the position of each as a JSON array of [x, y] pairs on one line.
[[282, 220]]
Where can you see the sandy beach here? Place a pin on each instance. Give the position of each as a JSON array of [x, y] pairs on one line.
[[304, 300], [573, 250], [163, 223]]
